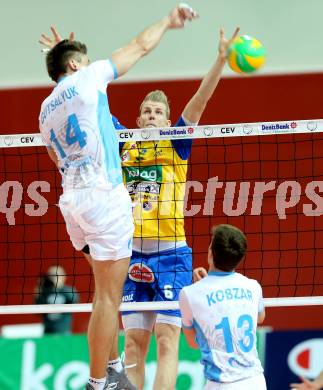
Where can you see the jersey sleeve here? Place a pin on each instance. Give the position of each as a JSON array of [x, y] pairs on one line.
[[116, 123], [186, 312], [101, 72], [261, 304], [183, 147], [118, 126], [44, 136]]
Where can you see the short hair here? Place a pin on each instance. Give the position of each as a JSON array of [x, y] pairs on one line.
[[228, 246], [157, 96], [57, 58]]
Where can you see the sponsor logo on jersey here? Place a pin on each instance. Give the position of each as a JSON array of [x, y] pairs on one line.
[[147, 206], [145, 188], [127, 298], [152, 173], [125, 156], [141, 273]]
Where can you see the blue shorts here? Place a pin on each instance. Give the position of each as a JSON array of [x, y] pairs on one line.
[[158, 277]]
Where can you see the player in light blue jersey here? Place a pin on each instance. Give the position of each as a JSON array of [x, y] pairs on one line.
[[220, 314], [75, 123]]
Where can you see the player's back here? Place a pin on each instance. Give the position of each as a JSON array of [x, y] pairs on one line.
[[75, 121], [224, 309]]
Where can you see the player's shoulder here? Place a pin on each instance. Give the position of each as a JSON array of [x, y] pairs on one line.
[[47, 98], [193, 288], [96, 68], [251, 282], [44, 104], [180, 122], [187, 290]]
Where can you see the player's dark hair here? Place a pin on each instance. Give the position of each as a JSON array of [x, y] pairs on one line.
[[57, 58], [229, 246]]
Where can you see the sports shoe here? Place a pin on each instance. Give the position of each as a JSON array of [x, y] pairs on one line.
[[119, 380], [90, 387]]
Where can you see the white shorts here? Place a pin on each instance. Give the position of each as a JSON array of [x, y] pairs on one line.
[[254, 383], [146, 320], [100, 219]]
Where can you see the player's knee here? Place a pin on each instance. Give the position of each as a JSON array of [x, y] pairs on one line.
[[136, 346], [167, 345], [106, 300]]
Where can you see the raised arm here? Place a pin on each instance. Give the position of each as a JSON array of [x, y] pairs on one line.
[[49, 42], [126, 57], [195, 107]]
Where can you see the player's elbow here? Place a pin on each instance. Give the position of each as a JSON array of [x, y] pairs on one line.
[[142, 47]]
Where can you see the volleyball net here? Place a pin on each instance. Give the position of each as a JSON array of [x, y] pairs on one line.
[[265, 178]]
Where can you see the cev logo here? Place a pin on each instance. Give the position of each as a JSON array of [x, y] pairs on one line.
[[305, 359]]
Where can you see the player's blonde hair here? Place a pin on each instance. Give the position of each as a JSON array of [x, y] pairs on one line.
[[157, 96]]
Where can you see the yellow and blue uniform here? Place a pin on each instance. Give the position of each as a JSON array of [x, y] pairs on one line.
[[155, 175]]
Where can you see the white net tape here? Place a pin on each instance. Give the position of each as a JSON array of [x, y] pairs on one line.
[[144, 306], [192, 132]]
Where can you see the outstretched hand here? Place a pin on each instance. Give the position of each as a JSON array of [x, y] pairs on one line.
[[225, 43], [306, 385], [181, 14], [50, 42]]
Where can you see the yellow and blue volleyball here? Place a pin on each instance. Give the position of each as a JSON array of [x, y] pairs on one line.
[[246, 54]]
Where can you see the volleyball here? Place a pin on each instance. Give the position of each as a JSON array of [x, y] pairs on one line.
[[246, 54]]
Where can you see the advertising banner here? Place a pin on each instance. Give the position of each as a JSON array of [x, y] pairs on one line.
[[61, 363], [292, 354], [57, 362]]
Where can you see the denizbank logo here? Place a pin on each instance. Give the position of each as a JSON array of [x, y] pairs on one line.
[[152, 173], [176, 132], [280, 127]]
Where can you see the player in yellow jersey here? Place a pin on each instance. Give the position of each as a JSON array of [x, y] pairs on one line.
[[161, 263]]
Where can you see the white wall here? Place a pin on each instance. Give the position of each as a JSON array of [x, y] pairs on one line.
[[291, 31]]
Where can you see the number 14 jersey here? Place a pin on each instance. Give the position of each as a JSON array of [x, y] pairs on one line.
[[75, 121]]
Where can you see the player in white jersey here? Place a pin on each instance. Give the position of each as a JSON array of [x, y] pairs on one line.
[[76, 126], [220, 314]]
